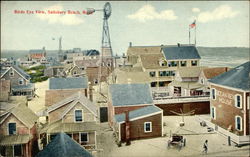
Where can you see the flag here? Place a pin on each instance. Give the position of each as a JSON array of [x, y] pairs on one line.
[[192, 25]]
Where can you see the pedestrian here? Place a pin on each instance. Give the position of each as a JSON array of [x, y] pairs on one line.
[[205, 147]]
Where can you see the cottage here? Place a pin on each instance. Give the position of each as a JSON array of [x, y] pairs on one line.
[[131, 108], [18, 132], [54, 69], [19, 81], [76, 116], [229, 102], [60, 88], [62, 145]]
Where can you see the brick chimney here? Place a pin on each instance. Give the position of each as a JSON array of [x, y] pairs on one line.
[[127, 128]]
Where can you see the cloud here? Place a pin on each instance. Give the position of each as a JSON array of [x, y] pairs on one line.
[[148, 12], [65, 19], [222, 12], [196, 10]]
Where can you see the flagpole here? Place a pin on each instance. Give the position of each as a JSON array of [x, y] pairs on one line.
[[189, 35], [195, 36]]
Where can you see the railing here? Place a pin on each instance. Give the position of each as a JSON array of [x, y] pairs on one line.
[[169, 100]]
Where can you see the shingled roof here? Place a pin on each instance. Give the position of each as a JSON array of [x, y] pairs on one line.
[[180, 52], [138, 50], [189, 71], [212, 72], [68, 83], [130, 94], [151, 61], [142, 112], [237, 77], [62, 145]]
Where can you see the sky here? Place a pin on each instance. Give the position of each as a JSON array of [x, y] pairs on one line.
[[144, 23]]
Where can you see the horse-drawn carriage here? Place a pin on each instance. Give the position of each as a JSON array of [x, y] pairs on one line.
[[177, 140]]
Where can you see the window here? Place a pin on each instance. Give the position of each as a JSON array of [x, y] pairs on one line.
[[172, 64], [153, 84], [213, 112], [74, 72], [161, 84], [12, 128], [84, 137], [183, 63], [11, 73], [148, 127], [213, 93], [202, 81], [238, 101], [78, 115], [238, 123], [248, 102], [166, 73], [20, 81], [17, 150], [152, 73], [194, 63]]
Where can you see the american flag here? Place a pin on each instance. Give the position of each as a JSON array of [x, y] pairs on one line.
[[192, 25]]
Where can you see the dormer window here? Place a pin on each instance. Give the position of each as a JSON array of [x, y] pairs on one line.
[[163, 63], [194, 63], [183, 63], [152, 73]]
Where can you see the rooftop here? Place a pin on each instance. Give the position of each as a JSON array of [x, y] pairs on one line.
[[151, 61], [14, 140], [180, 52], [138, 50], [64, 146], [237, 77], [149, 110], [190, 71], [130, 94], [212, 72], [68, 83]]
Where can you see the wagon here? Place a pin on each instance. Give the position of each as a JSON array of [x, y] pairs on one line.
[[177, 141]]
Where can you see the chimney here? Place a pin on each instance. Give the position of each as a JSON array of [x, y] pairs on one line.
[[178, 44], [127, 128], [226, 69], [90, 92], [130, 44]]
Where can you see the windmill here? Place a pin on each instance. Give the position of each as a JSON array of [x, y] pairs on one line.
[[106, 59]]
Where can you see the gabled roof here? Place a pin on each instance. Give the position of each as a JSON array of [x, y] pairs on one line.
[[59, 126], [212, 72], [68, 83], [64, 146], [92, 53], [24, 114], [130, 94], [18, 70], [189, 72], [73, 100], [138, 50], [136, 114], [180, 52], [237, 77], [151, 61]]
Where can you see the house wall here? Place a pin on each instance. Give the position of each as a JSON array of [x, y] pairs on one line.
[[199, 107], [14, 80], [20, 127], [226, 110], [56, 114], [137, 128], [4, 90], [87, 115], [54, 96], [93, 72]]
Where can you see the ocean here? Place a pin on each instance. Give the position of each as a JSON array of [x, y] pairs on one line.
[[210, 56]]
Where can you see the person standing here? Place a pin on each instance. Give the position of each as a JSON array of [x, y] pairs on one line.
[[205, 147]]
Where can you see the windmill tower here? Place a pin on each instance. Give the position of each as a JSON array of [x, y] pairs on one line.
[[60, 54]]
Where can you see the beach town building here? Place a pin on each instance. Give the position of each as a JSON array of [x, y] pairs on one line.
[[18, 132], [60, 88], [132, 113], [62, 145], [229, 102], [76, 116], [19, 81], [54, 69], [5, 90], [38, 55]]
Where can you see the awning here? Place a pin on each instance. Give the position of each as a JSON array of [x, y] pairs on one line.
[[14, 140]]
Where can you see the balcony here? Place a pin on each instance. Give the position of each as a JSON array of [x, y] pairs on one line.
[[171, 100]]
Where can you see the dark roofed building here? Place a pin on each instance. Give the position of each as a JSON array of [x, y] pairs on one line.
[[68, 83], [180, 52], [230, 103], [63, 146]]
